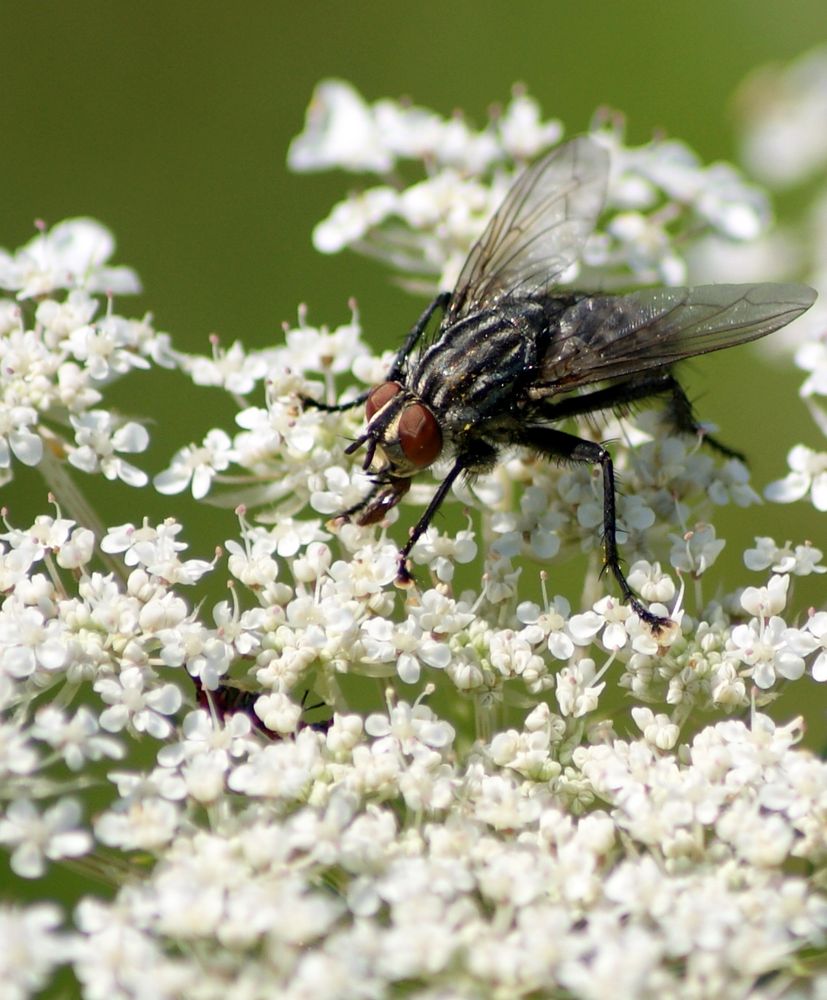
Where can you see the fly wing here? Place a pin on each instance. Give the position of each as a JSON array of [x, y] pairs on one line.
[[605, 337], [538, 231]]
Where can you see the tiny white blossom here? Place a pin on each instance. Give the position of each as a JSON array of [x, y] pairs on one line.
[[18, 437], [767, 647], [29, 640], [576, 691], [143, 823], [410, 729], [233, 368], [658, 730], [77, 739], [696, 550], [278, 712], [71, 255], [524, 135], [800, 561], [783, 107], [31, 945], [99, 437], [37, 837], [340, 131], [196, 464], [439, 552], [132, 704], [808, 475], [817, 627], [766, 601]]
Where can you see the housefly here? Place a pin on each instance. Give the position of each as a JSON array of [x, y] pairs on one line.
[[515, 355]]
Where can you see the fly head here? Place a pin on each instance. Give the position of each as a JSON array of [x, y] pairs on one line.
[[402, 438]]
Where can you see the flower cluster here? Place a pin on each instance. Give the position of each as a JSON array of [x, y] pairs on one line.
[[57, 356], [659, 194], [540, 795]]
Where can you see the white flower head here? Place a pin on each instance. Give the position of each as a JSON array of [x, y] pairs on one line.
[[800, 561], [71, 255], [37, 837], [197, 465], [135, 702], [808, 475], [340, 131], [99, 437]]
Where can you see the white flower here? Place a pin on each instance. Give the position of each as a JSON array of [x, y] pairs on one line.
[[156, 549], [783, 110], [439, 552], [311, 349], [36, 838], [105, 349], [576, 691], [412, 730], [808, 475], [133, 705], [278, 712], [812, 357], [233, 369], [140, 823], [658, 730], [649, 580], [550, 625], [77, 550], [694, 551], [99, 436], [801, 561], [767, 647], [30, 947], [29, 641], [72, 255], [340, 131], [817, 627], [77, 739], [765, 601], [17, 436], [18, 755], [196, 464], [350, 220], [522, 131]]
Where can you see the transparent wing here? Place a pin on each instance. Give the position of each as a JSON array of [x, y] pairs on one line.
[[538, 231], [605, 337]]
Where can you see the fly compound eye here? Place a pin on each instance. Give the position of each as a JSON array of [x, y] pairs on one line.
[[419, 435], [379, 395]]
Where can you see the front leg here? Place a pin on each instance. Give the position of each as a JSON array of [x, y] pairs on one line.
[[639, 389], [568, 448], [476, 457]]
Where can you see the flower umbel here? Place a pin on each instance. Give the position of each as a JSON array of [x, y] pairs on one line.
[[491, 783]]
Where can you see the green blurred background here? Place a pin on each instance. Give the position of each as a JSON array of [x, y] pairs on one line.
[[170, 123]]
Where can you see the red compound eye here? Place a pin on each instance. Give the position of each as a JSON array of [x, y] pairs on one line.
[[419, 435], [379, 395]]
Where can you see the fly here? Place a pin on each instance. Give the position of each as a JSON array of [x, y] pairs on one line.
[[514, 355]]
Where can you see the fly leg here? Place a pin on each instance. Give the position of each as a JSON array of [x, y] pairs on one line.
[[680, 412], [397, 368], [404, 577], [439, 302], [683, 419], [568, 448], [477, 457]]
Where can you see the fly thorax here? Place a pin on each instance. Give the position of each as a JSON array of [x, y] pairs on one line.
[[404, 435]]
